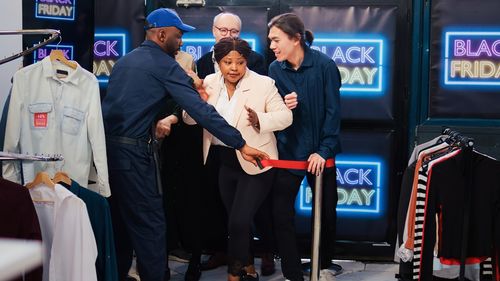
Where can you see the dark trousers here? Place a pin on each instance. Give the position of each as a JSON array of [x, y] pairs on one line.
[[242, 195], [209, 220], [264, 227], [182, 185], [137, 211], [285, 191]]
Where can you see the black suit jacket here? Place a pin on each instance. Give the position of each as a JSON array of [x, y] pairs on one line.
[[205, 66]]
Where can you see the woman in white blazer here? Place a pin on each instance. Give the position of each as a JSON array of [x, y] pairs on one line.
[[251, 103]]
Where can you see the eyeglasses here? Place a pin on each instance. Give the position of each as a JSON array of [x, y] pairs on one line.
[[223, 31]]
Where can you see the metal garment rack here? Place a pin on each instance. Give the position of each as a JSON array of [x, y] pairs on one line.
[[457, 137], [10, 156], [29, 157], [54, 35], [467, 144]]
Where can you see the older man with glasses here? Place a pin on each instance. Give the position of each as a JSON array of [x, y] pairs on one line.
[[228, 25]]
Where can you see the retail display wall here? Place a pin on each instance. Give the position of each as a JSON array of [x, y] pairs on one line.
[[362, 40], [75, 20]]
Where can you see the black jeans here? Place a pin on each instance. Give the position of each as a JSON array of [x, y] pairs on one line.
[[285, 191], [242, 195]]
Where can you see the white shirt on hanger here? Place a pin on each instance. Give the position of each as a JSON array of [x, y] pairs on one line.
[[69, 247], [50, 115]]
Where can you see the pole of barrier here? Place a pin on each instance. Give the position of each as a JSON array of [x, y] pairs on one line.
[[318, 196]]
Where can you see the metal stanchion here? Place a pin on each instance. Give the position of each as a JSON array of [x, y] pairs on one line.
[[318, 198], [318, 194]]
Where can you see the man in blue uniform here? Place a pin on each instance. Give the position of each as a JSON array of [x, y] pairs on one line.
[[141, 84]]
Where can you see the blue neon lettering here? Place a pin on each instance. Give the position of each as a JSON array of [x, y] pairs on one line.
[[346, 176], [355, 198]]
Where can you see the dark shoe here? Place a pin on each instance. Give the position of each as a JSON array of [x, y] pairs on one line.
[[267, 266], [179, 255], [249, 277], [215, 260], [167, 274], [193, 272]]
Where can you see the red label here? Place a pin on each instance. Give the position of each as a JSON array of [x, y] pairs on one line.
[[40, 120]]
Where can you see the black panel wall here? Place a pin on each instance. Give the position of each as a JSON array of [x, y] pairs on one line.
[[373, 111]]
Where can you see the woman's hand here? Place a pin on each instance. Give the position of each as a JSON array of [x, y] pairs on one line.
[[316, 164], [291, 100], [253, 118]]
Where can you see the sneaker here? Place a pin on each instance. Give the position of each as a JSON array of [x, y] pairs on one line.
[[334, 268], [306, 268], [249, 276], [133, 276], [326, 275], [179, 255]]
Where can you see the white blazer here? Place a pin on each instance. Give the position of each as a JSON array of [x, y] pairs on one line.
[[259, 93]]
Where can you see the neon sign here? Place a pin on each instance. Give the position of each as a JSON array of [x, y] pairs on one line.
[[361, 62], [108, 48], [55, 9], [42, 52], [472, 58], [199, 44], [359, 189]]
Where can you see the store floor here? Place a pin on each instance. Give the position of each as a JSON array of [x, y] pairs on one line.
[[353, 271]]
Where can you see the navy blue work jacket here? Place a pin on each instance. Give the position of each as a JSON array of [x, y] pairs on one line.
[[139, 87], [316, 119]]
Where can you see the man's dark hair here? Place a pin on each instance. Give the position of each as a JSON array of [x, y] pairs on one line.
[[292, 25], [228, 44]]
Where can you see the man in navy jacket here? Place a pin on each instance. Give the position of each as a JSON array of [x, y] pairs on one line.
[[139, 87]]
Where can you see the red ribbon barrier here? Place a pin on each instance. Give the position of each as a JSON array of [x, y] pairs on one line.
[[292, 164]]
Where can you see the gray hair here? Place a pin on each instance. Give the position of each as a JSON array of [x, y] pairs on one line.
[[217, 17]]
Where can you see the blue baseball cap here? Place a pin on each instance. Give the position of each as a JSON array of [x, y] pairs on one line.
[[164, 17]]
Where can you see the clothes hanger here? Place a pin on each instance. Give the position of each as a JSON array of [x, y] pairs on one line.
[[62, 177], [58, 55], [41, 178]]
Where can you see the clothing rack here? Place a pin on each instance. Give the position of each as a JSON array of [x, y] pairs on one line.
[[448, 144], [467, 144], [54, 35], [457, 138], [9, 156], [28, 157]]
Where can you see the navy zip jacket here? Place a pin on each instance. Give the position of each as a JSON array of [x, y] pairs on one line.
[[316, 119], [139, 87]]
